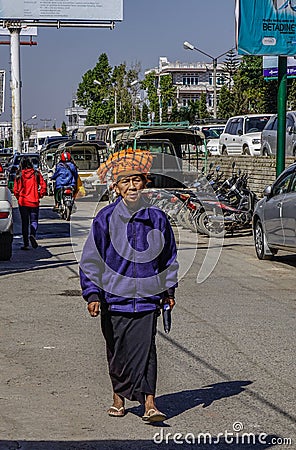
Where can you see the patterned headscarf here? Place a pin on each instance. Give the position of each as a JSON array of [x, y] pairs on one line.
[[124, 163]]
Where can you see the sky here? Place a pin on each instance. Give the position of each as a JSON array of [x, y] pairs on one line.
[[52, 70]]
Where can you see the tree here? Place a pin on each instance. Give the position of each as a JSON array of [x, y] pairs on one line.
[[292, 95], [229, 67], [64, 129], [106, 92], [225, 104], [249, 86], [145, 111], [164, 93]]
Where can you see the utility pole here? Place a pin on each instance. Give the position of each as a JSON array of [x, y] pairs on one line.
[[45, 122], [16, 85]]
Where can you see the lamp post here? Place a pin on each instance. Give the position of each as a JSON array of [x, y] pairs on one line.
[[25, 123], [189, 46]]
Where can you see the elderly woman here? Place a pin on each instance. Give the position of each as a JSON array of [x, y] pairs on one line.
[[128, 270]]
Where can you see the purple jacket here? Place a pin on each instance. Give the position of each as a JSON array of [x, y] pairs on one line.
[[129, 258]]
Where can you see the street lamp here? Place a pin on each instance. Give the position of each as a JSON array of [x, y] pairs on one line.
[[115, 99], [25, 123], [189, 46]]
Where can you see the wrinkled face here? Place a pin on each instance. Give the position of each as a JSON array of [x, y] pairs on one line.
[[130, 188]]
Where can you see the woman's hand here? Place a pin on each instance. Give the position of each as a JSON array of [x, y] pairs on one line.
[[170, 301], [94, 308]]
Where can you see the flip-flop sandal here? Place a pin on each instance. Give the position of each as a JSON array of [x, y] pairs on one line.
[[154, 416], [116, 412]]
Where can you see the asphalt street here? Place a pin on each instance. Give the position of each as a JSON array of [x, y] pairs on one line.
[[227, 368]]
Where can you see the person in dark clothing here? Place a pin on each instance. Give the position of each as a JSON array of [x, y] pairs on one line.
[[66, 174], [29, 188], [128, 270]]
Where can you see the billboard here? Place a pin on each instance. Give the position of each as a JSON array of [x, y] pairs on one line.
[[266, 27], [61, 9]]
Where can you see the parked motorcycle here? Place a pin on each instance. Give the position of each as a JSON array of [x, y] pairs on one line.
[[67, 202]]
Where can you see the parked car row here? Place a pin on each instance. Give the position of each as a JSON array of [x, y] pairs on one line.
[[252, 134]]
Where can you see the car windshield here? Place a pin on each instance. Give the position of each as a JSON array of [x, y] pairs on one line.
[[211, 133], [255, 124]]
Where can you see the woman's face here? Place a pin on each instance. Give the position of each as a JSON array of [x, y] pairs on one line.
[[130, 188]]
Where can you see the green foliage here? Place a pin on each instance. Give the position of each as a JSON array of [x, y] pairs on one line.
[[145, 111], [225, 104], [292, 95], [248, 88], [64, 129], [104, 90]]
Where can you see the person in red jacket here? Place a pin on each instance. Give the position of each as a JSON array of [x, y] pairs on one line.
[[29, 187]]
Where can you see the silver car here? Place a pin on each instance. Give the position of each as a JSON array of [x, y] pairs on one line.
[[269, 135], [274, 218]]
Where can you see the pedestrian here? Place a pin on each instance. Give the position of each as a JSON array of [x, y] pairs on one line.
[[66, 174], [128, 270], [29, 188]]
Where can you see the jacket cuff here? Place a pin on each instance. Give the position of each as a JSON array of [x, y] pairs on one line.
[[170, 292], [93, 298]]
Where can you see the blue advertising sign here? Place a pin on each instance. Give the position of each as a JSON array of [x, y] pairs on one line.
[[266, 27], [270, 67]]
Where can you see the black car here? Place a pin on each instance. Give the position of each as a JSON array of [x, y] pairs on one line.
[[14, 163]]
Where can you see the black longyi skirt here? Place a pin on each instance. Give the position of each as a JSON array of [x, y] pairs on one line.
[[131, 353]]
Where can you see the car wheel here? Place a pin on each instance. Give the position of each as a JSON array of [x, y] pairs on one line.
[[261, 246], [246, 150], [264, 152], [224, 151], [5, 246]]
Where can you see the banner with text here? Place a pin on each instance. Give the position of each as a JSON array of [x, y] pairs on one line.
[[266, 27], [62, 9]]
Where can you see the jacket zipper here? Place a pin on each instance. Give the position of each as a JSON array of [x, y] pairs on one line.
[[134, 262]]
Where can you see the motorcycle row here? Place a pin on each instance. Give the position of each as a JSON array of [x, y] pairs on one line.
[[213, 205]]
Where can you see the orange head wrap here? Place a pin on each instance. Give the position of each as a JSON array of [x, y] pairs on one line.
[[126, 162]]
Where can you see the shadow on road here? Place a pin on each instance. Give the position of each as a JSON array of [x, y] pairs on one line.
[[179, 402]]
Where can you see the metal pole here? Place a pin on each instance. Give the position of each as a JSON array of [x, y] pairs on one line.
[[282, 100], [215, 86], [159, 100], [115, 106], [16, 89]]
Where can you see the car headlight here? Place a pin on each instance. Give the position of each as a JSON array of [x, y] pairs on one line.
[[256, 141]]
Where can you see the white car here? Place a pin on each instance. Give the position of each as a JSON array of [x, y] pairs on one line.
[[213, 147], [6, 224], [242, 135]]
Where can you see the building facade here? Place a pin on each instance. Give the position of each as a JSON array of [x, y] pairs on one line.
[[76, 116], [192, 80]]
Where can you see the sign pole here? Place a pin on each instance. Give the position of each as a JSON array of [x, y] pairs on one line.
[[16, 89], [282, 101]]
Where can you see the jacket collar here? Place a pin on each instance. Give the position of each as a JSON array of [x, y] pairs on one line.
[[126, 214]]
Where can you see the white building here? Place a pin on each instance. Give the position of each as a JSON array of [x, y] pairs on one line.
[[192, 80], [76, 116]]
